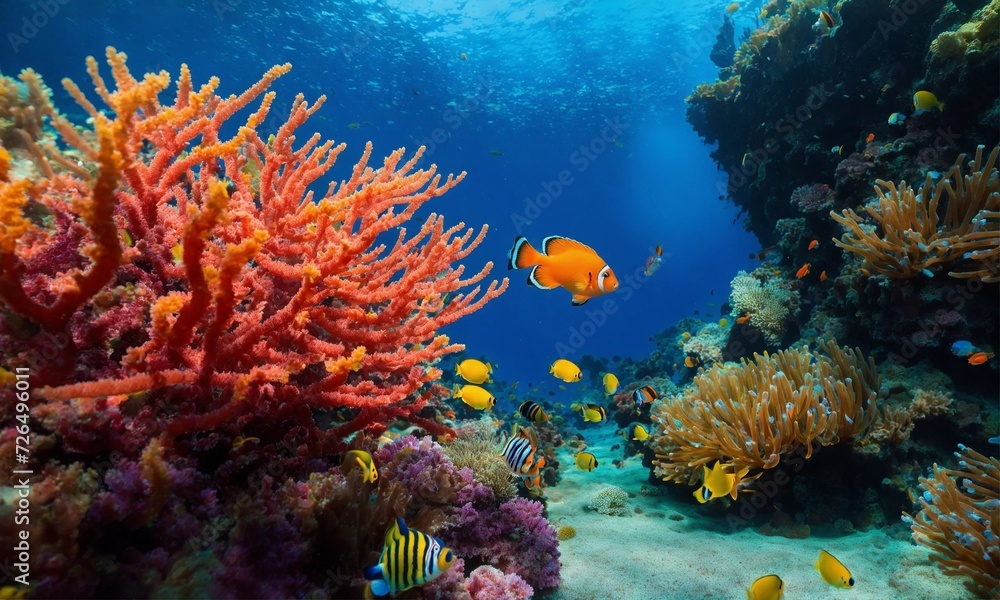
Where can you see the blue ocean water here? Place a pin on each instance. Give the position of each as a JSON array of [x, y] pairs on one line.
[[567, 115]]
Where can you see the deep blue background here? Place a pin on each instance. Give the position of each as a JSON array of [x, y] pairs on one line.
[[540, 80]]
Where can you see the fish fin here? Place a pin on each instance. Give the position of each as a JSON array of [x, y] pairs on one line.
[[401, 526], [556, 244], [522, 254], [579, 300], [457, 392], [541, 278], [374, 572], [699, 495]]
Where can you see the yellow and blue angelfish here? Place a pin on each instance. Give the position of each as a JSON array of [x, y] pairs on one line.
[[585, 461], [474, 371], [474, 396], [566, 370], [610, 384], [409, 558], [360, 458], [768, 587], [833, 571], [924, 101], [591, 412]]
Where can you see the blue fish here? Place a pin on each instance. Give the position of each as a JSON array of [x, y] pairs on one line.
[[963, 348]]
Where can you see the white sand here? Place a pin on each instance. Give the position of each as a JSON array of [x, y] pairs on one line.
[[642, 556]]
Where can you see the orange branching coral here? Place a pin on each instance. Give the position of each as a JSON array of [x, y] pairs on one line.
[[751, 414], [960, 521], [246, 290], [912, 237]]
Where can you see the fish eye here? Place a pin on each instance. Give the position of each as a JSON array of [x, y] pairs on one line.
[[851, 582]]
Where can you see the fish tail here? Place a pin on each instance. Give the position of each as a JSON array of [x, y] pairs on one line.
[[457, 392], [522, 254]]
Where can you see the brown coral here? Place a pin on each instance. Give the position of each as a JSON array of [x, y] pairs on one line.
[[914, 237], [960, 521], [751, 414]]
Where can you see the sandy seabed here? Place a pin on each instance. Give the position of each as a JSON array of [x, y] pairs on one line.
[[671, 550]]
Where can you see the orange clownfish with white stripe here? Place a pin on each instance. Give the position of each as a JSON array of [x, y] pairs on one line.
[[564, 263]]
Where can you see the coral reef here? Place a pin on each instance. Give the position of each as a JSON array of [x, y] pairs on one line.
[[960, 521], [513, 537], [256, 252], [752, 414], [488, 583], [908, 240], [610, 500], [769, 304], [481, 453]]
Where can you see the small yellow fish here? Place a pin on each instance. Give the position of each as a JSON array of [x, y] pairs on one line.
[[178, 253], [586, 461], [768, 587], [723, 322], [566, 370], [636, 433], [732, 8], [475, 396], [354, 125], [591, 412], [240, 440], [464, 56], [562, 387], [686, 335], [716, 483], [474, 371], [925, 101], [13, 592], [610, 384], [833, 571], [360, 458]]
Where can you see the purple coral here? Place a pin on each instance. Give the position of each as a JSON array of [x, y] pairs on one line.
[[813, 198], [513, 537]]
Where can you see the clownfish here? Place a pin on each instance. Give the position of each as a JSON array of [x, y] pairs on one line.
[[532, 411], [564, 263], [474, 396], [519, 452], [645, 395], [768, 587], [566, 370], [360, 458], [474, 371], [610, 384], [585, 461], [833, 571], [409, 558]]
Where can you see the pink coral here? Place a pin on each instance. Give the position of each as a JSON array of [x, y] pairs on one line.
[[813, 198], [488, 583]]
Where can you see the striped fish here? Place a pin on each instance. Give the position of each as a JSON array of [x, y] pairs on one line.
[[532, 411], [409, 558], [645, 395], [519, 452]]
